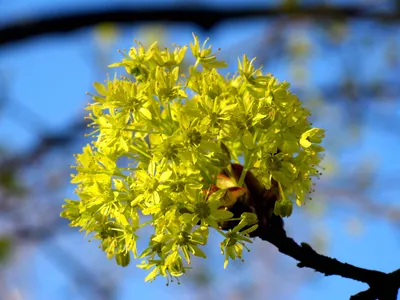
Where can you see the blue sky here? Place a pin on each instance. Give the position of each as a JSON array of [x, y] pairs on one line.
[[46, 78]]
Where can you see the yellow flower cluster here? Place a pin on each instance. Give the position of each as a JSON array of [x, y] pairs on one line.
[[162, 134]]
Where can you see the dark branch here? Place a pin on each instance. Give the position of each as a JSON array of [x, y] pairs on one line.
[[202, 17], [263, 202], [386, 290], [309, 258], [382, 286]]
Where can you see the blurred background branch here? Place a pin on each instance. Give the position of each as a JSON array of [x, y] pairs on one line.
[[206, 18]]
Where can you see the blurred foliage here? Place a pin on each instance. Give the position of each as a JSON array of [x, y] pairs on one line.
[[106, 33], [5, 249]]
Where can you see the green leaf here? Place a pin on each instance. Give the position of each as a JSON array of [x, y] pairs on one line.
[[123, 259], [124, 144], [186, 254], [216, 197], [249, 218], [247, 140], [305, 143], [283, 208], [250, 229], [216, 64], [226, 261], [165, 176], [187, 218], [100, 88], [145, 112], [152, 275], [162, 238], [137, 200], [222, 214], [121, 218], [225, 182], [197, 251], [171, 258], [231, 252], [117, 64]]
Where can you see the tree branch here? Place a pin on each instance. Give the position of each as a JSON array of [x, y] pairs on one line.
[[263, 202], [383, 286], [206, 18], [390, 291]]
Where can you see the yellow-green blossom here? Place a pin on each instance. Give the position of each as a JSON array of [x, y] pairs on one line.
[[160, 138]]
